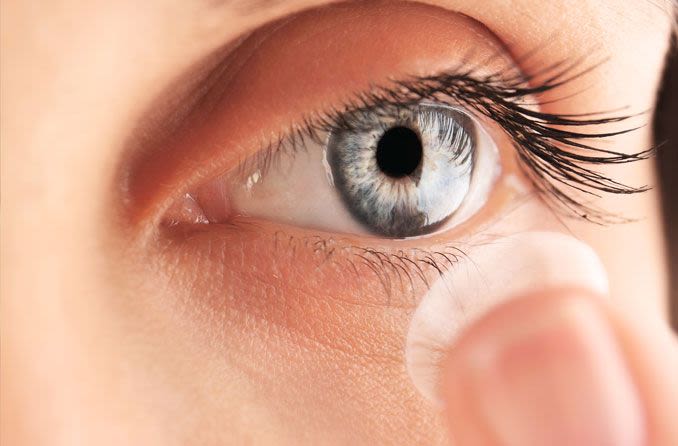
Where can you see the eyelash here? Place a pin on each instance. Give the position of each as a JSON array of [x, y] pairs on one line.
[[393, 269], [556, 160]]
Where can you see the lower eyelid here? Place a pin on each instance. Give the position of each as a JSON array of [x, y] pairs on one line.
[[380, 275]]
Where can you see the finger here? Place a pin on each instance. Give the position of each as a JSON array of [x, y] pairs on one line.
[[561, 368]]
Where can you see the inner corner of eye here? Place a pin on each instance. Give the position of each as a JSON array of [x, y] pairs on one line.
[[207, 204]]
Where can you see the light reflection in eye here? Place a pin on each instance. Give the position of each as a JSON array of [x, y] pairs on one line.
[[392, 171]]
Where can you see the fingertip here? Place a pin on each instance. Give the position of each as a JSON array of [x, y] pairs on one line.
[[541, 369]]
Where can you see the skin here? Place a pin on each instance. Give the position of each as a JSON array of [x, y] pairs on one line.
[[115, 331]]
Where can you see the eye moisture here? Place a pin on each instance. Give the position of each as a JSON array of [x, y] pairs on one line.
[[399, 152], [492, 273]]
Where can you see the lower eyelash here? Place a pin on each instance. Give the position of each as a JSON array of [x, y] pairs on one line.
[[397, 270]]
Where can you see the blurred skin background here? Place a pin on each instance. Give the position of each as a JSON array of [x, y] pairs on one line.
[[117, 329]]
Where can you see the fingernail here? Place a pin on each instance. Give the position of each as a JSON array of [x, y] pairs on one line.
[[546, 373]]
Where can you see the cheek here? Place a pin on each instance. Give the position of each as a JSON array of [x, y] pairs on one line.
[[294, 327], [323, 294], [304, 336]]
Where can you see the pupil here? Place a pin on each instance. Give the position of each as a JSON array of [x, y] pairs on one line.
[[399, 152]]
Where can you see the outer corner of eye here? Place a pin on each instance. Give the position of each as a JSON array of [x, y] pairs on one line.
[[399, 173]]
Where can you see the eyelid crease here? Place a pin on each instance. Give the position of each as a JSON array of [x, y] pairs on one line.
[[554, 157]]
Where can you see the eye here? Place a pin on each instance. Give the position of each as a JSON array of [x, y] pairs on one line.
[[270, 132], [351, 139], [392, 171]]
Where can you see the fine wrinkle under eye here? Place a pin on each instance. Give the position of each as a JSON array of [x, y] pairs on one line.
[[399, 152]]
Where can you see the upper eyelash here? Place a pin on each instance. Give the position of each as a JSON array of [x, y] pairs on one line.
[[553, 155]]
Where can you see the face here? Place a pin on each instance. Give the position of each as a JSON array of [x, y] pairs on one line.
[[221, 217]]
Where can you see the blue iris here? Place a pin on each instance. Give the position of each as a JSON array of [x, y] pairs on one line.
[[404, 172]]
